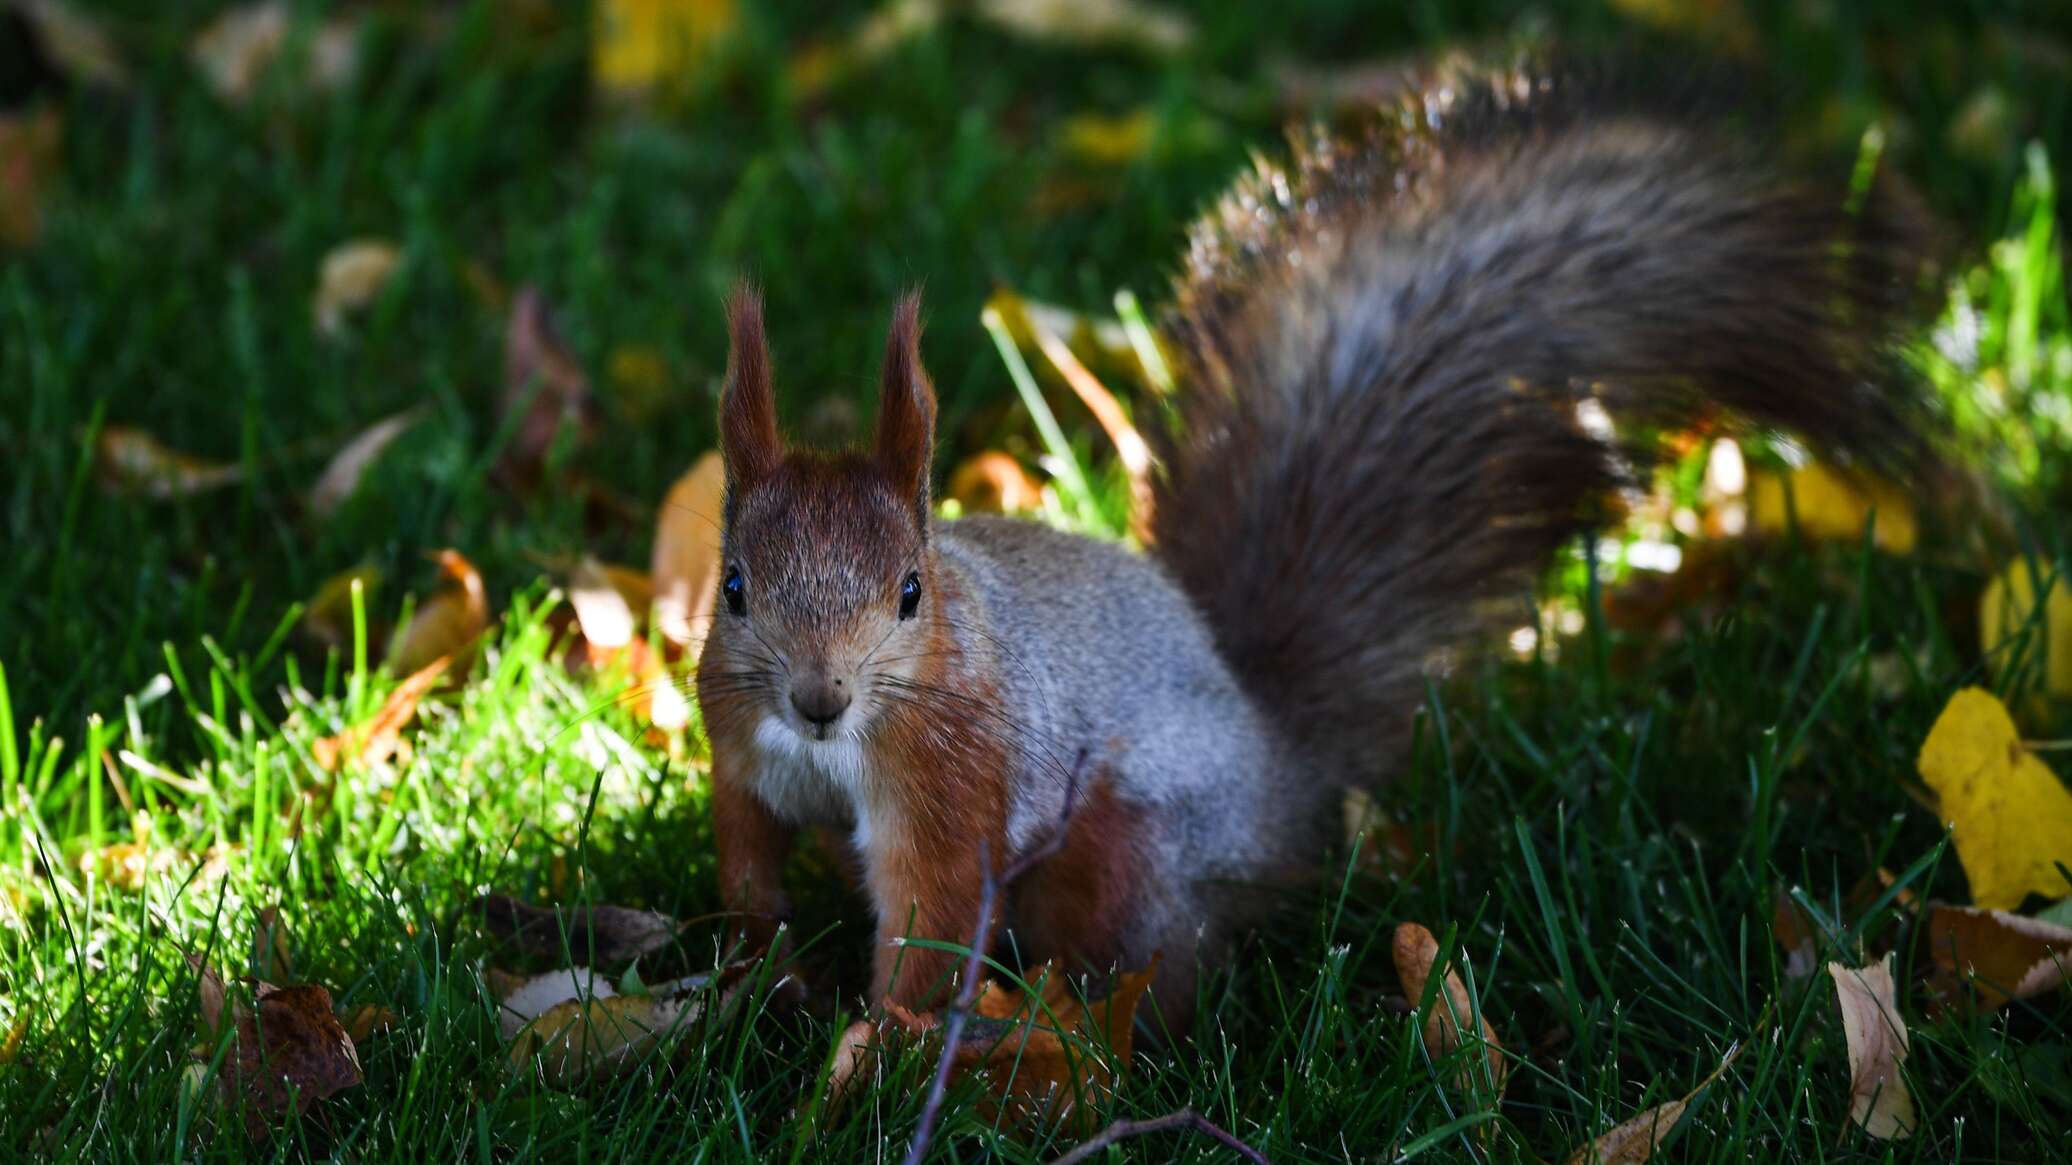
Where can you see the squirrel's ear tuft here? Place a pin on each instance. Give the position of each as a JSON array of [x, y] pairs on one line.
[[748, 438], [906, 408]]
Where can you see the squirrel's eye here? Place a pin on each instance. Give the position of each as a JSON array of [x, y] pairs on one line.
[[736, 591], [910, 595]]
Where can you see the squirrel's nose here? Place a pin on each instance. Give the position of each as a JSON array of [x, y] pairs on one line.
[[820, 700]]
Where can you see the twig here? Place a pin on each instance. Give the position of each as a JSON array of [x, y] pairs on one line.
[[1186, 1118], [967, 991]]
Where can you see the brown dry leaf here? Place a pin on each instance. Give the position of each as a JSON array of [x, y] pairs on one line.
[[1092, 22], [544, 389], [132, 462], [603, 934], [1635, 1140], [365, 1020], [352, 276], [375, 740], [2003, 956], [2009, 815], [448, 624], [328, 615], [287, 1050], [235, 52], [1879, 1101], [994, 483], [1415, 952], [685, 567], [641, 45], [28, 161], [1796, 934], [582, 1040], [342, 475], [520, 1000]]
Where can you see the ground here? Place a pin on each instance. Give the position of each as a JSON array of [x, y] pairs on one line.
[[1610, 818]]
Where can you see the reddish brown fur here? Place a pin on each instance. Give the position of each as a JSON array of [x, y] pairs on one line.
[[748, 409], [1074, 905], [906, 415]]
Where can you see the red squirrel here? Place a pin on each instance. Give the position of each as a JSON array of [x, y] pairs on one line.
[[1386, 347]]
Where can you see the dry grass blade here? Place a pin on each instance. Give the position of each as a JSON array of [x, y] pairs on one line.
[[1879, 1100], [1130, 447]]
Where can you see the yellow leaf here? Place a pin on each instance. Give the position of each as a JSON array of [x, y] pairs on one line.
[[352, 275], [1109, 141], [1879, 1101], [2012, 629], [1832, 505], [2009, 816], [640, 44]]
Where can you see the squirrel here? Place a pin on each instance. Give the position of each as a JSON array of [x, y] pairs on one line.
[[1386, 351]]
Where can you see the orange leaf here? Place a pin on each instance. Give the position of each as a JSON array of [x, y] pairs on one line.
[[685, 567], [2004, 956], [448, 624], [994, 483], [375, 740], [1416, 951]]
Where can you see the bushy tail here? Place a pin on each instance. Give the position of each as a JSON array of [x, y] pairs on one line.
[[1387, 344]]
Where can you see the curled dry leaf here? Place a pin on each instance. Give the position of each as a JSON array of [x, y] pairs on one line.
[[545, 389], [448, 624], [1416, 951], [353, 274], [1092, 22], [377, 739], [2014, 627], [327, 617], [1635, 1140], [133, 463], [605, 935], [1831, 504], [287, 1049], [2009, 815], [341, 477], [2002, 956], [1879, 1101], [994, 483], [235, 52], [685, 567], [28, 161]]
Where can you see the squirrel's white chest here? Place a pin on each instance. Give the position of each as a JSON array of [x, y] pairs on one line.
[[813, 782]]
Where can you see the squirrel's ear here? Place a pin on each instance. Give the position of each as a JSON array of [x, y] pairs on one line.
[[748, 438], [906, 408]]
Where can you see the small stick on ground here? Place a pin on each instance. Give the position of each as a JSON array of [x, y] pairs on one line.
[[1186, 1118]]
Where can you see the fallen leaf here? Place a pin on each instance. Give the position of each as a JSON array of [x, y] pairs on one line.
[[1796, 934], [328, 615], [352, 275], [2003, 956], [602, 612], [1635, 1140], [994, 483], [588, 1039], [519, 1000], [448, 624], [375, 740], [287, 1052], [135, 463], [11, 1047], [887, 26], [342, 476], [641, 45], [604, 935], [2013, 630], [545, 390], [1829, 504], [366, 1020], [237, 50], [2009, 816], [1109, 141], [1091, 22], [1879, 1101], [75, 42], [28, 161], [685, 566], [1415, 953], [128, 865]]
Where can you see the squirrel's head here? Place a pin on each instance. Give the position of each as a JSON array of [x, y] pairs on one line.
[[826, 576]]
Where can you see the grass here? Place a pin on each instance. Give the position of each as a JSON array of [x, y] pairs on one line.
[[1613, 817]]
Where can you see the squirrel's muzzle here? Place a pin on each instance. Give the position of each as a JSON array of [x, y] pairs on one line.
[[820, 700]]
